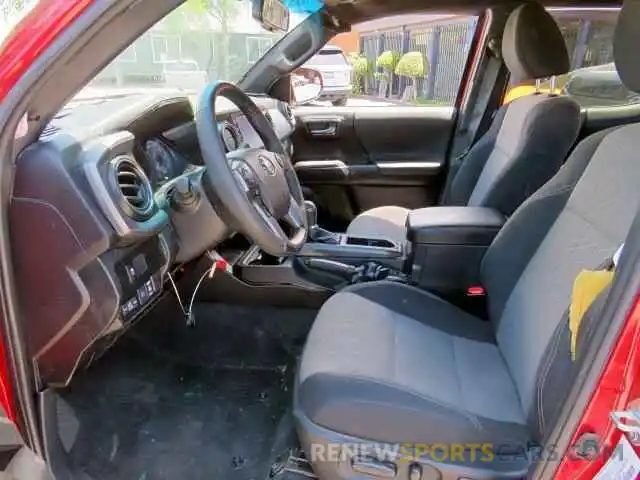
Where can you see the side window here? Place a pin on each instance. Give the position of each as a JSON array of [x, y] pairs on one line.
[[592, 80], [406, 59]]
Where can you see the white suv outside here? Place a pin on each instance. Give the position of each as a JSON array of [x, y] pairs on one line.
[[336, 74]]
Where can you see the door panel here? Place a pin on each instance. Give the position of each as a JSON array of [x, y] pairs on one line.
[[351, 159]]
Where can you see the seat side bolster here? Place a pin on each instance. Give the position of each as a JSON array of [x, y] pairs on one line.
[[365, 408], [520, 237]]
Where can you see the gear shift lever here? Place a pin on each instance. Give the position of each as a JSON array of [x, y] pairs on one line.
[[312, 213], [318, 234]]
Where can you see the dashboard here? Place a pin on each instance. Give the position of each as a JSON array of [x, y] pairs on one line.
[[95, 223]]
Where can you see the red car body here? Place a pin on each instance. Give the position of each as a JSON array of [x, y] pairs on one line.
[[619, 383]]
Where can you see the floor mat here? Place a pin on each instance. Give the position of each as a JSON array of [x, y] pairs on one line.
[[201, 403], [227, 336]]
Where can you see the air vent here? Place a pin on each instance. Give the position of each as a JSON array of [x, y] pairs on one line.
[[132, 189]]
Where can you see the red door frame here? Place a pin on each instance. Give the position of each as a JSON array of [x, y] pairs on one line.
[[619, 385], [34, 34]]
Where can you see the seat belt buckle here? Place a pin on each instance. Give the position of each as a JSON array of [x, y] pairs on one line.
[[476, 291]]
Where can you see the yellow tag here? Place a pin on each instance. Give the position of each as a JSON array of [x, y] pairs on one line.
[[586, 287]]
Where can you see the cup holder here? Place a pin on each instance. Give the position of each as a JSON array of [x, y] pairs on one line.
[[370, 242]]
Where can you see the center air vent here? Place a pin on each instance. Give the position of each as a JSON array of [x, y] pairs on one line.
[[132, 189]]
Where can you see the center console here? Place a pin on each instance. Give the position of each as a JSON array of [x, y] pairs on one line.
[[356, 250], [328, 260], [443, 252], [448, 244]]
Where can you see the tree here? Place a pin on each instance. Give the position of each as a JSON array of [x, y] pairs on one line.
[[387, 61], [412, 65], [202, 16], [10, 9], [362, 68], [223, 12]]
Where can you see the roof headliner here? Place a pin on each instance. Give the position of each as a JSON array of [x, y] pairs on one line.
[[356, 11]]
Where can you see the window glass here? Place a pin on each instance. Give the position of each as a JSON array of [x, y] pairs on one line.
[[592, 80], [407, 60], [197, 43]]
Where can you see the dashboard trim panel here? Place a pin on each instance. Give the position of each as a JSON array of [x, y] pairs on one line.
[[69, 234], [98, 158]]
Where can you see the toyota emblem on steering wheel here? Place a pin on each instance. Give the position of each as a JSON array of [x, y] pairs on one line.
[[267, 165]]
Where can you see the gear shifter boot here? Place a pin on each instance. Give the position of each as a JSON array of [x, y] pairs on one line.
[[320, 235]]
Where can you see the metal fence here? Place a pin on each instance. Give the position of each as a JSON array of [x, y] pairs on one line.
[[445, 46]]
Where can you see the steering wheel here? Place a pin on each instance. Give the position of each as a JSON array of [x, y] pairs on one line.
[[257, 187]]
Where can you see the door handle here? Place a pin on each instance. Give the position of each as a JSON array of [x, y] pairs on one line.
[[330, 131], [323, 127]]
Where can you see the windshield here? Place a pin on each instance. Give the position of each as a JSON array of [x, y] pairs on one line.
[[197, 43]]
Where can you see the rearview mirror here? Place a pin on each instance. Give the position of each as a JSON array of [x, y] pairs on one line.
[[306, 84], [273, 15]]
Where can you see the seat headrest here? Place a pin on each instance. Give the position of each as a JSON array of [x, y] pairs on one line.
[[625, 44], [532, 44]]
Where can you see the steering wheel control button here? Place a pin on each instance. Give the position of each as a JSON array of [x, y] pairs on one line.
[[280, 160], [248, 175]]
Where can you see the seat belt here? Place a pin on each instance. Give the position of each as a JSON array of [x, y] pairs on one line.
[[472, 126]]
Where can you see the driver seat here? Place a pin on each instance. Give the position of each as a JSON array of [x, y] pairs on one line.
[[387, 364], [528, 139]]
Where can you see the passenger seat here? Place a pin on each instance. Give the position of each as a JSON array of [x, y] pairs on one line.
[[389, 364], [527, 142]]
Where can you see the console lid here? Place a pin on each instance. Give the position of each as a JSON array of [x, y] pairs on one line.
[[454, 225]]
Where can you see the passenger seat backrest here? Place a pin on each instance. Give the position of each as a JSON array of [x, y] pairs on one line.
[[576, 221], [529, 138]]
